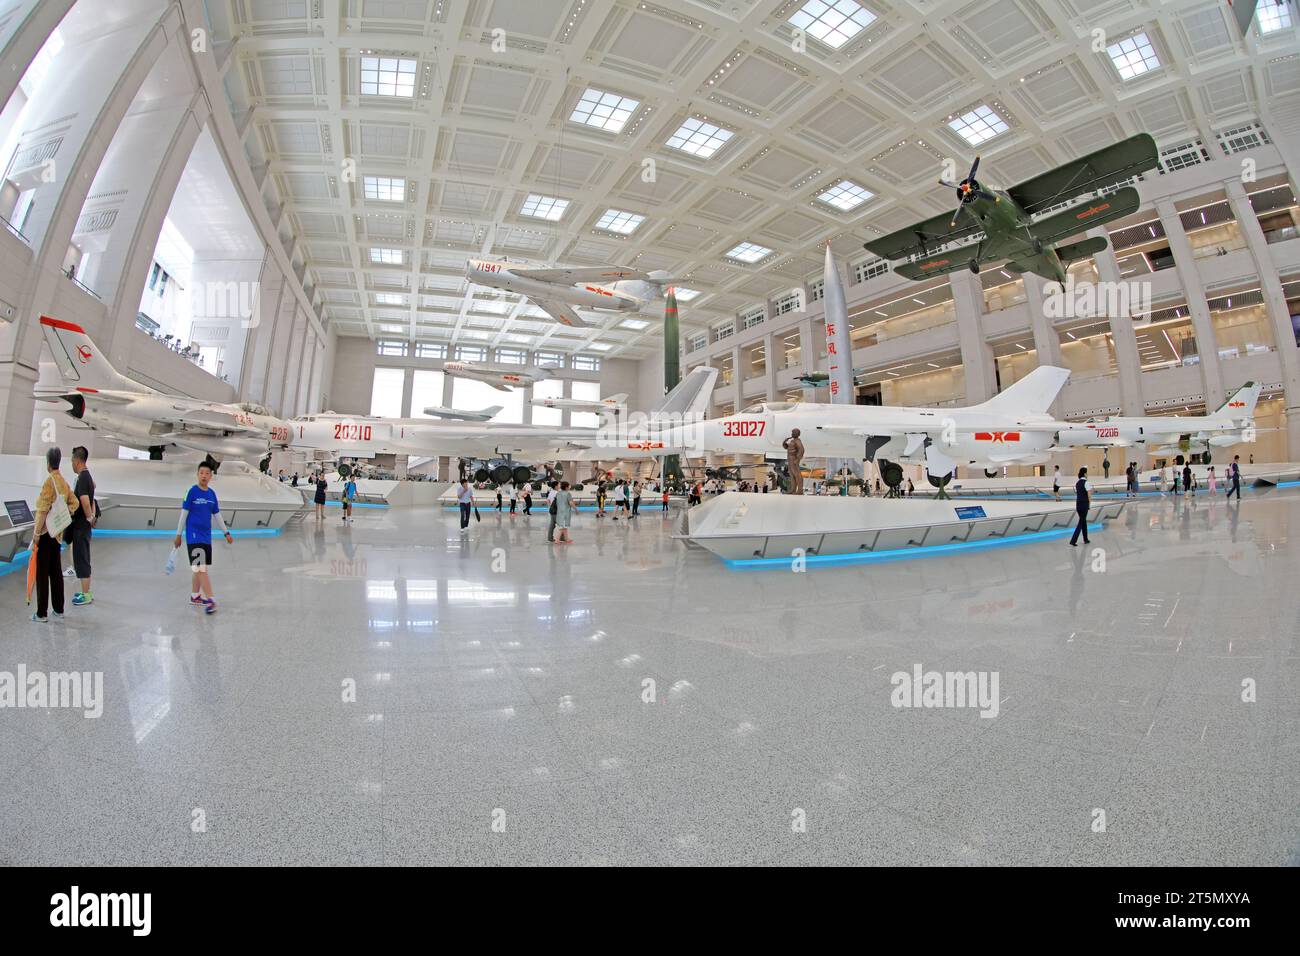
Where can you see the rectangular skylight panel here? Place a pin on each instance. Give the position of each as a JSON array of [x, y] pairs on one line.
[[699, 137], [387, 76], [833, 22], [607, 111], [544, 207], [748, 252], [615, 220], [1133, 56], [384, 188], [979, 125], [845, 195]]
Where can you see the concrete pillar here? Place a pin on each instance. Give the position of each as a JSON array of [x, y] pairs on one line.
[[108, 52], [976, 353], [408, 389], [1127, 360], [769, 366], [1275, 303], [1207, 344]]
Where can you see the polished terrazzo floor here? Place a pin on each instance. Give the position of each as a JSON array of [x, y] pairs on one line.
[[499, 713]]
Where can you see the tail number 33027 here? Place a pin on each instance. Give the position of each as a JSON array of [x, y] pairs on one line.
[[738, 429], [343, 431]]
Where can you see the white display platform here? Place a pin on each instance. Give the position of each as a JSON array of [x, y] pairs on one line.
[[738, 526], [383, 492], [1262, 474], [145, 495]]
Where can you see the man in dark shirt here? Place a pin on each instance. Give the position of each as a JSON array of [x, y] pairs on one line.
[[1082, 501], [83, 521]]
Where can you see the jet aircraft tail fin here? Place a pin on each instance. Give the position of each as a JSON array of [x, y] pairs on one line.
[[1032, 395], [690, 397], [80, 361], [1241, 403]]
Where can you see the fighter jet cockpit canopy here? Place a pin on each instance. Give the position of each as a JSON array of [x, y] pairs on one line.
[[254, 409], [762, 408]]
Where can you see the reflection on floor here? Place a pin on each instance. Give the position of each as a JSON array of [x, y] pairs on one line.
[[627, 699]]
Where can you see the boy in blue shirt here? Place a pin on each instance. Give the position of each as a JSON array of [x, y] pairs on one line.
[[197, 511], [349, 496]]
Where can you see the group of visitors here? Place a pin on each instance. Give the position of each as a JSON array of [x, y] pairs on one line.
[[64, 515], [69, 515]]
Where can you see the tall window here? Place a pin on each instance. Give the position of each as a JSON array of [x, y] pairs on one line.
[[469, 395], [551, 388], [586, 363], [587, 392], [386, 393], [471, 353], [426, 390]]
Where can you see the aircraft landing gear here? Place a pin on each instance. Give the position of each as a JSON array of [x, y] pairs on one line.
[[990, 473], [975, 267], [155, 452], [940, 482], [891, 473], [1038, 247]]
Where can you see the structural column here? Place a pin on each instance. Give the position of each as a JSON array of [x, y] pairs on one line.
[[1279, 314], [1127, 360], [1207, 344], [976, 353]]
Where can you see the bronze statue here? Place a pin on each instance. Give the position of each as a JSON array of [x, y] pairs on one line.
[[794, 457]]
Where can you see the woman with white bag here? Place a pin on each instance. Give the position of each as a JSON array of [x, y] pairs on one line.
[[53, 516]]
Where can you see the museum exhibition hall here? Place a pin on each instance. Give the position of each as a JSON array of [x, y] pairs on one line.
[[649, 433]]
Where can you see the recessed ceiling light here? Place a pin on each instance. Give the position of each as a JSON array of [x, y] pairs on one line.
[[833, 22], [635, 324], [389, 257], [748, 252], [845, 195], [685, 295], [388, 298], [600, 347]]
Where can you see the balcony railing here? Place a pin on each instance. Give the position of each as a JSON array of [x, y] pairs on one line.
[[15, 230]]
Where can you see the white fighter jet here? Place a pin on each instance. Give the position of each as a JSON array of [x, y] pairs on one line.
[[462, 414], [1231, 423], [97, 396], [558, 291], [613, 403], [1013, 427], [365, 436], [500, 377]]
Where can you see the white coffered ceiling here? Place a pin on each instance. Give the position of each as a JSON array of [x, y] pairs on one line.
[[490, 122]]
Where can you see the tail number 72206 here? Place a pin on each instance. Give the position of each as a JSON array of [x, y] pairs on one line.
[[742, 429]]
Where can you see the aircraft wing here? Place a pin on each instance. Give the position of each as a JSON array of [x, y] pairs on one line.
[[561, 312], [940, 265], [573, 276], [208, 420], [1121, 203], [1106, 167], [915, 240]]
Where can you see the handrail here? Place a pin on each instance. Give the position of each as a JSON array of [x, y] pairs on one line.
[[15, 230]]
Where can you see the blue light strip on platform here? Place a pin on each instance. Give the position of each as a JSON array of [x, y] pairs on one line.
[[904, 554], [355, 504], [163, 533]]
